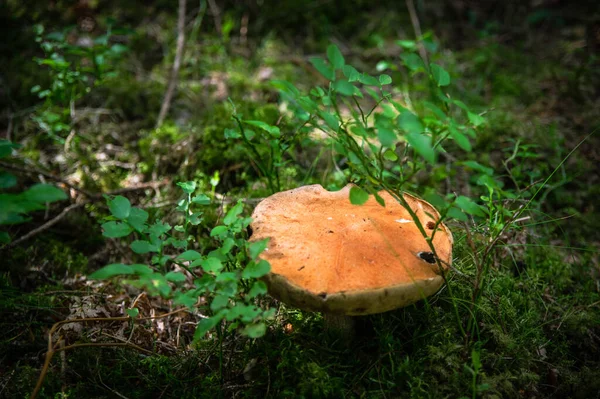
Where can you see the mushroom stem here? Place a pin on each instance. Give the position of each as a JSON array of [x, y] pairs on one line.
[[341, 325]]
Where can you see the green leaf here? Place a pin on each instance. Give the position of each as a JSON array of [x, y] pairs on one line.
[[323, 68], [255, 330], [119, 207], [143, 247], [335, 57], [272, 130], [227, 246], [137, 219], [475, 119], [256, 269], [422, 145], [410, 122], [385, 79], [233, 213], [258, 288], [116, 229], [457, 214], [205, 325], [7, 180], [368, 80], [4, 237], [190, 255], [201, 199], [479, 167], [440, 75], [6, 148], [387, 137], [188, 187], [232, 134], [211, 265], [175, 277], [343, 87], [390, 155], [141, 270], [379, 199], [358, 196], [133, 312], [412, 61], [351, 73], [219, 231], [219, 302], [159, 228], [462, 140], [109, 271], [257, 247], [470, 207], [331, 120], [44, 193]]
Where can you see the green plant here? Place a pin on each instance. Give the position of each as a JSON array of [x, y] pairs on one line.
[[74, 70], [225, 285], [16, 207]]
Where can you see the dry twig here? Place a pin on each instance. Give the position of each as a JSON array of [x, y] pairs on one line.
[[164, 109]]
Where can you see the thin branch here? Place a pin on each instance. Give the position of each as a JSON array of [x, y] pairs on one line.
[[414, 19], [45, 226], [164, 109]]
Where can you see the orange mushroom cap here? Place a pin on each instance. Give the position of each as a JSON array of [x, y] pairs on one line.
[[329, 255]]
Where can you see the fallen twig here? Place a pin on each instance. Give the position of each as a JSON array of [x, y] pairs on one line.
[[164, 109]]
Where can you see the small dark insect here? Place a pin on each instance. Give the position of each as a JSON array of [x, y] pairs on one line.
[[301, 267], [430, 225], [427, 257]]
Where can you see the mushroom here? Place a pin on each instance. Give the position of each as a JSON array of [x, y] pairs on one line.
[[329, 255]]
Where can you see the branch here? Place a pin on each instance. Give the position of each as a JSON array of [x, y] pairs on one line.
[[45, 226], [164, 109], [414, 19]]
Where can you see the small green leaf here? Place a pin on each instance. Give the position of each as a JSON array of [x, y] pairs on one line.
[[387, 137], [232, 134], [219, 302], [412, 61], [335, 57], [272, 130], [143, 247], [211, 265], [385, 79], [255, 330], [440, 75], [190, 255], [7, 180], [227, 246], [358, 196], [219, 231], [331, 120], [175, 277], [422, 145], [351, 73], [256, 269], [368, 80], [479, 167], [133, 312], [4, 237], [141, 270], [323, 68], [233, 213], [44, 193], [201, 199], [205, 325], [475, 119], [116, 229], [188, 187], [258, 288], [119, 207], [257, 247], [462, 140], [379, 199], [159, 228], [137, 219], [343, 87], [467, 205], [457, 214], [390, 155], [109, 271], [410, 122]]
